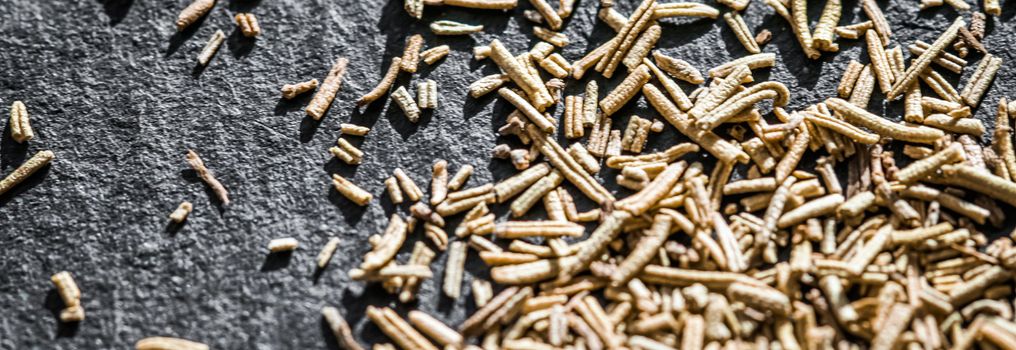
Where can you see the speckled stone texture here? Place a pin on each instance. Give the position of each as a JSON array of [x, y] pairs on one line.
[[113, 90]]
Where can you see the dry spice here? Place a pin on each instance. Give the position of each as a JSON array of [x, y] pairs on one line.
[[742, 100], [850, 76], [382, 86], [940, 86], [615, 20], [642, 46], [424, 213], [763, 37], [621, 43], [248, 24], [385, 247], [482, 4], [411, 54], [741, 31], [21, 130], [434, 54], [398, 329], [181, 212], [797, 19], [348, 153], [573, 118], [721, 149], [556, 65], [677, 68], [861, 117], [548, 13], [854, 31], [534, 193], [531, 112], [824, 30], [625, 91], [70, 294], [460, 178], [193, 11], [674, 90], [324, 96], [756, 61], [421, 256], [408, 186], [636, 134], [691, 9], [206, 175], [340, 328], [25, 170], [352, 129], [877, 18], [435, 329], [520, 75], [445, 27], [351, 191], [481, 52], [404, 100], [981, 80], [922, 61], [879, 61], [283, 245], [289, 91], [326, 252], [168, 343], [863, 87], [212, 47], [946, 60], [414, 8], [452, 284], [394, 193], [992, 7], [487, 84], [533, 16], [569, 168], [426, 94], [969, 126]]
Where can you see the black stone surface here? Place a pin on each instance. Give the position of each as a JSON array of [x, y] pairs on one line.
[[113, 90]]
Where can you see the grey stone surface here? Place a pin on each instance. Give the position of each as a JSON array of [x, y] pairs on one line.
[[113, 90]]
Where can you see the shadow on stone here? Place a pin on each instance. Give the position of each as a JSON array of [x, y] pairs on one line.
[[239, 45], [11, 152], [351, 212], [198, 69], [55, 305], [277, 261], [354, 309], [308, 127], [401, 124], [28, 184], [243, 5], [298, 103], [172, 227], [116, 10], [330, 341], [317, 274], [180, 37]]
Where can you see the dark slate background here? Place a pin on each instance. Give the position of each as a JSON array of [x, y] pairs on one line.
[[113, 90]]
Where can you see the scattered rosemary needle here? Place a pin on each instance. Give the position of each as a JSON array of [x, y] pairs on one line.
[[445, 27]]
